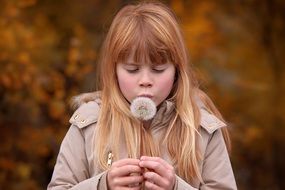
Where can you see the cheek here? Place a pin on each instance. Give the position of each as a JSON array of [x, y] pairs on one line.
[[126, 84], [166, 85]]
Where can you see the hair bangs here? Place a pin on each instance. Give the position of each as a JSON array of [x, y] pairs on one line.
[[146, 46]]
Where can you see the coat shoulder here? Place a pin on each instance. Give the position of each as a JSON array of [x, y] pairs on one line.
[[88, 110], [209, 121]]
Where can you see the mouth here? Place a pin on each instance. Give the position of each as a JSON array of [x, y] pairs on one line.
[[146, 95]]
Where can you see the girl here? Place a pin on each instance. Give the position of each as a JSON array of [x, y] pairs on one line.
[[183, 147]]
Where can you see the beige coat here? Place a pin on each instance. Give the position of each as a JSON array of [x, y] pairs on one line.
[[75, 167]]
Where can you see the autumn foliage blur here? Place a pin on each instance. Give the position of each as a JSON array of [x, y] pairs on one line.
[[49, 50]]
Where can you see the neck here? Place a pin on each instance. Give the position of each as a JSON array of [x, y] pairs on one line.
[[146, 124]]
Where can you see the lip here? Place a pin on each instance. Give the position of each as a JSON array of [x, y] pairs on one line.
[[146, 95]]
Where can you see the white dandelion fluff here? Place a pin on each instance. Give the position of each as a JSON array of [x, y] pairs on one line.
[[143, 108]]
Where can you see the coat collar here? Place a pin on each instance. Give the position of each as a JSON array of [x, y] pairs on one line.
[[208, 121], [88, 113]]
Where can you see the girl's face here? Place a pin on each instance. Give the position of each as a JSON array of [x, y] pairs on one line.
[[145, 79]]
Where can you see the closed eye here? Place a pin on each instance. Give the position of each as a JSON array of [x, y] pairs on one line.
[[132, 70], [158, 70]]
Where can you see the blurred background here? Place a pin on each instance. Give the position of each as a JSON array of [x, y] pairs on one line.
[[49, 50]]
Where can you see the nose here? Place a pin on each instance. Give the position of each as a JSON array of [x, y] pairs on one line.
[[146, 79]]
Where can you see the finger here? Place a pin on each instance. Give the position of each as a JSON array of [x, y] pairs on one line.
[[130, 181], [134, 188], [155, 166], [156, 159], [152, 186], [130, 169], [126, 161], [155, 178], [131, 188], [125, 170]]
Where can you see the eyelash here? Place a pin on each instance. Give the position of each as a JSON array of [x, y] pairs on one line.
[[136, 70], [158, 70], [132, 70]]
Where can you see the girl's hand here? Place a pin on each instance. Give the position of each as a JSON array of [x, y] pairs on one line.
[[160, 174], [125, 174]]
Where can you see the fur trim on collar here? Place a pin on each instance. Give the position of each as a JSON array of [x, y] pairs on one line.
[[80, 99]]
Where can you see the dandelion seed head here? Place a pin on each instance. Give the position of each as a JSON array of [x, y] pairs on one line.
[[143, 108]]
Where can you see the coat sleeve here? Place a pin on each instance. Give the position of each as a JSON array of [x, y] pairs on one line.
[[71, 169], [217, 171]]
